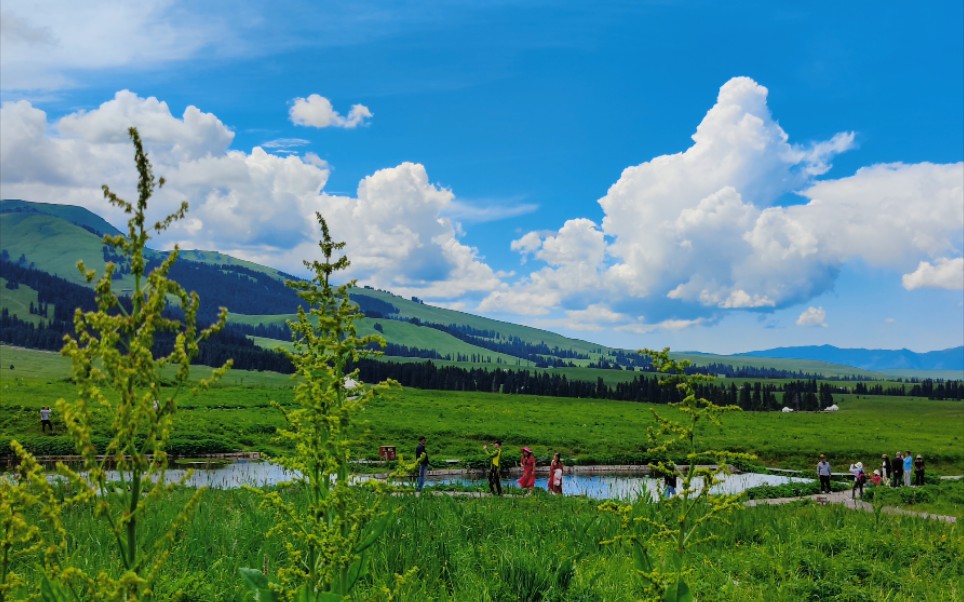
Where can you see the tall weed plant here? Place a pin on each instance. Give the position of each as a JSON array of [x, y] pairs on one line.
[[660, 541], [117, 356], [327, 537]]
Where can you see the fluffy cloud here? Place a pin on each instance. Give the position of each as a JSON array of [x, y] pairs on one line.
[[48, 45], [254, 205], [690, 235], [945, 273], [316, 111], [239, 201], [397, 238], [574, 255], [813, 316]]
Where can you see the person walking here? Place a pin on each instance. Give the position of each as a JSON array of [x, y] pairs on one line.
[[45, 420], [908, 468], [898, 468], [495, 457], [528, 463], [669, 481], [556, 468], [421, 456], [859, 477], [823, 473], [919, 471]]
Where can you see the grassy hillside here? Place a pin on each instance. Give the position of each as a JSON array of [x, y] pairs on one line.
[[17, 301], [71, 213], [414, 336], [438, 315], [218, 258], [51, 245], [809, 366]]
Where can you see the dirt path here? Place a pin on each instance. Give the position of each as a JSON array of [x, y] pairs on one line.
[[843, 497], [837, 497]]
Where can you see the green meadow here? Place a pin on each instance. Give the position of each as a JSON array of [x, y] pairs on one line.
[[539, 547], [550, 548], [238, 414]]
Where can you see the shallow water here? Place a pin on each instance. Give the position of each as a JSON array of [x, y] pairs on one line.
[[621, 487]]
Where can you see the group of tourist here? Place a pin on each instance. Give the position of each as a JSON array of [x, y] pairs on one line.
[[527, 462], [891, 473], [898, 472]]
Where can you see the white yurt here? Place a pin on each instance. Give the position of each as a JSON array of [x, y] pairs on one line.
[[831, 408], [786, 410]]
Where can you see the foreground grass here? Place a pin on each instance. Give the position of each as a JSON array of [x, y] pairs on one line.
[[548, 548]]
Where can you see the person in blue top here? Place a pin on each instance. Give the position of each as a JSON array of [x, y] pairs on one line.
[[908, 468], [669, 480]]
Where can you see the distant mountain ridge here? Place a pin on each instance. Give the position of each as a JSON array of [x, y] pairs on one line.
[[870, 359], [77, 215]]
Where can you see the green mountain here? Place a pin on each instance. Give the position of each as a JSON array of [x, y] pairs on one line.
[[52, 238]]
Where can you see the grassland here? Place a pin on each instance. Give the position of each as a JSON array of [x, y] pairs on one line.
[[31, 233], [543, 547], [549, 548], [238, 414]]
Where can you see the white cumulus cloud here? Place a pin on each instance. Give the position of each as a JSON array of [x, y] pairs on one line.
[[253, 205], [690, 235], [944, 273], [813, 316], [317, 111], [397, 238], [574, 255]]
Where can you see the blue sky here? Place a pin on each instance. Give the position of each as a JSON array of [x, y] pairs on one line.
[[707, 176]]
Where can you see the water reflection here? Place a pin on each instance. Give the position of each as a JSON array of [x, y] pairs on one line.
[[620, 487], [233, 475]]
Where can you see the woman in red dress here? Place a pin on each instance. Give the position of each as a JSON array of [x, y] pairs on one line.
[[528, 464], [555, 474]]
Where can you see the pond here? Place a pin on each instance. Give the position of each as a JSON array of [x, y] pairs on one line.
[[628, 487], [616, 486]]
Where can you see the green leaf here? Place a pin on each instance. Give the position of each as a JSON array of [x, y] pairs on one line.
[[678, 592], [53, 592], [377, 527], [304, 594], [357, 570], [564, 573], [257, 582], [641, 556]]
